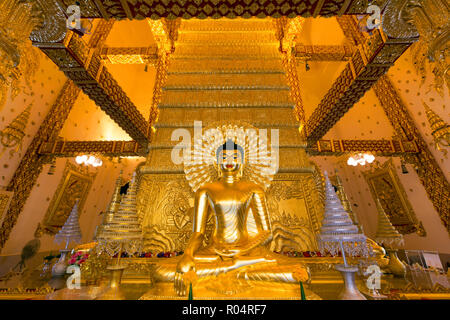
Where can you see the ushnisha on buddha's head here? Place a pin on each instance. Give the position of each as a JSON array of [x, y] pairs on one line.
[[230, 158]]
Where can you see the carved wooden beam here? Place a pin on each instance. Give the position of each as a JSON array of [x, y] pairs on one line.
[[323, 52], [130, 55], [131, 148], [372, 60], [350, 29], [83, 66], [187, 9], [105, 148], [386, 148]]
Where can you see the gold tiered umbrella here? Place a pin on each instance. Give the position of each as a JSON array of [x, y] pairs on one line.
[[123, 233], [389, 236], [71, 229], [345, 202], [439, 130], [69, 232], [386, 233], [339, 233]]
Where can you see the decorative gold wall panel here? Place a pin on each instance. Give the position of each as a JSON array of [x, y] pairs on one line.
[[75, 184], [165, 207], [296, 209], [386, 186]]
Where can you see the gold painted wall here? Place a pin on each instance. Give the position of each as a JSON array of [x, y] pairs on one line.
[[45, 87], [407, 82], [366, 120], [165, 206]]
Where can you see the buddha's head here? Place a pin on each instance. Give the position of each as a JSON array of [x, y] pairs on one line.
[[230, 158]]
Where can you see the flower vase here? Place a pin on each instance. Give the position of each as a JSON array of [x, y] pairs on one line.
[[58, 280], [350, 290]]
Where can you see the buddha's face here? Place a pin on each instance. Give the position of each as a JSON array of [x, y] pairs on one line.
[[230, 161]]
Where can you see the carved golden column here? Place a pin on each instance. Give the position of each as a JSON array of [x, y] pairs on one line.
[[166, 33], [286, 30]]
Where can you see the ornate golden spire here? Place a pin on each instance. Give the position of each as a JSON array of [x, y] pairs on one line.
[[386, 232], [345, 202], [13, 134], [439, 129], [113, 206], [124, 231], [338, 232], [71, 229]]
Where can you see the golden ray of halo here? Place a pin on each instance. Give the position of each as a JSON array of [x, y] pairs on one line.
[[260, 158]]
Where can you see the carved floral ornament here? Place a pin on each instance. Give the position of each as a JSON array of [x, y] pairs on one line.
[[17, 19]]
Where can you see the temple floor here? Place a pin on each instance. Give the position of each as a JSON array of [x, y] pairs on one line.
[[326, 284], [250, 290]]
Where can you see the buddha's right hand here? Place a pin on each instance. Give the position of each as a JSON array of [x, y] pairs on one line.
[[185, 265]]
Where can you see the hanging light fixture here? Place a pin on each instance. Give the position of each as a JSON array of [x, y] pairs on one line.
[[403, 166], [52, 168], [88, 161], [360, 159]]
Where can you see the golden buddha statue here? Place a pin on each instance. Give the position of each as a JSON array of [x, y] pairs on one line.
[[242, 231]]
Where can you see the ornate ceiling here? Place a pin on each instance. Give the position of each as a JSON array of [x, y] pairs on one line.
[[89, 67]]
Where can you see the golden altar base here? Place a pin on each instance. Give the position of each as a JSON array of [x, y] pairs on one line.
[[249, 290]]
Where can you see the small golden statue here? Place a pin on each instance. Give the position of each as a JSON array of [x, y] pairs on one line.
[[242, 230]]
